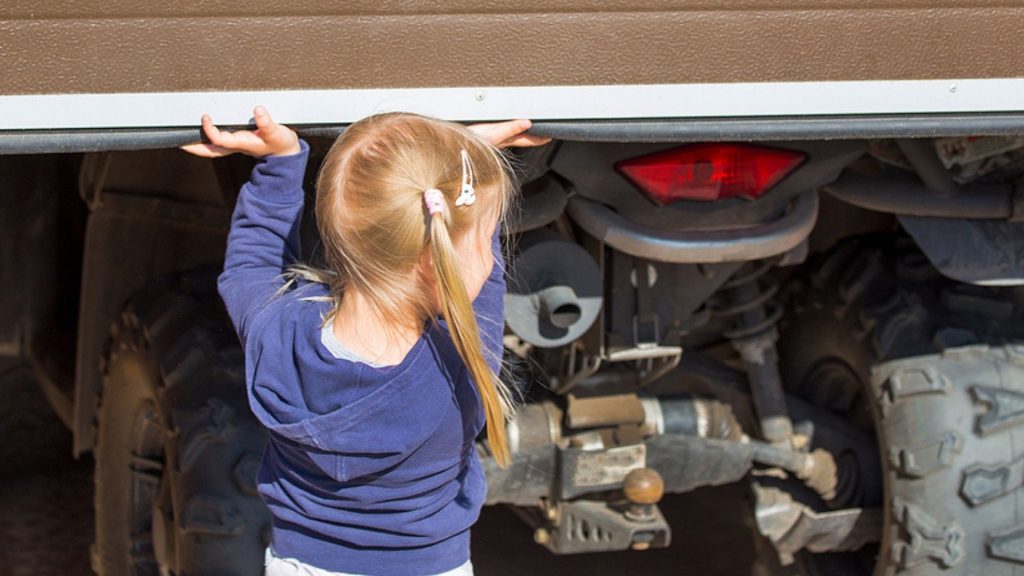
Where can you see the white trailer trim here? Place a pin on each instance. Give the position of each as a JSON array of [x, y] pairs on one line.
[[331, 107]]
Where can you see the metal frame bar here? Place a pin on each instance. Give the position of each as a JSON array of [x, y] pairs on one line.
[[775, 129], [750, 243]]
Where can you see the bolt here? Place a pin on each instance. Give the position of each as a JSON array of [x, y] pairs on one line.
[[800, 441], [541, 536], [479, 96], [952, 87]]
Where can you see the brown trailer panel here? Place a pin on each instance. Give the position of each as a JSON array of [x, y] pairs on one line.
[[57, 47], [91, 75]]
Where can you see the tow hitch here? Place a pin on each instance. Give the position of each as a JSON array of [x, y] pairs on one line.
[[589, 478]]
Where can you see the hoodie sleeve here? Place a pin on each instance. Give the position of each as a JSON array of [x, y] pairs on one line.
[[264, 236], [489, 307]]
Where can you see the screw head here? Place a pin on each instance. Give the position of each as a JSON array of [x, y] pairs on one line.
[[479, 96]]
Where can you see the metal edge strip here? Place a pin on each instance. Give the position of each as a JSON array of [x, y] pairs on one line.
[[665, 101], [671, 130]]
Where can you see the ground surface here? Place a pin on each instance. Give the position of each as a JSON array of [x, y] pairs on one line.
[[46, 527]]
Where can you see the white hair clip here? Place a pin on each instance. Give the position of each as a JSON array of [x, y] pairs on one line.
[[467, 196]]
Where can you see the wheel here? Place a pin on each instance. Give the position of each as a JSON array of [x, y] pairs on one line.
[[178, 449], [879, 337], [949, 422]]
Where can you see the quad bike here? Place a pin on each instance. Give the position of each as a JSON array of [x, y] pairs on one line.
[[679, 315]]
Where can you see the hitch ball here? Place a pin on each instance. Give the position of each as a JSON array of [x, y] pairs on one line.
[[643, 488]]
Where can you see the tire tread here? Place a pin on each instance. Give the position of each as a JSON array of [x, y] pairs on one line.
[[176, 340]]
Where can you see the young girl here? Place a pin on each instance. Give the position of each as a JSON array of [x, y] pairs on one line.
[[372, 402]]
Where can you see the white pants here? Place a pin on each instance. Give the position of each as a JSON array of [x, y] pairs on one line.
[[274, 566]]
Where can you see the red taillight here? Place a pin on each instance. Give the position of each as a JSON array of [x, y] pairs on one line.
[[710, 171]]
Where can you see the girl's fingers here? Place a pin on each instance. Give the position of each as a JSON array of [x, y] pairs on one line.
[[275, 138], [206, 150], [268, 138], [510, 133], [228, 140], [245, 141], [241, 141], [525, 141], [214, 149], [210, 129], [497, 132], [264, 123], [506, 130], [237, 141]]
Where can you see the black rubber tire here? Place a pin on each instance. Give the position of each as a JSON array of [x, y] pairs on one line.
[[951, 423], [178, 448], [878, 336]]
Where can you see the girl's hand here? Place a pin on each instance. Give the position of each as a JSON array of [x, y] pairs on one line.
[[510, 133], [269, 139]]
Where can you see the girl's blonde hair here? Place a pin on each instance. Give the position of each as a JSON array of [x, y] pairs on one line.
[[375, 229]]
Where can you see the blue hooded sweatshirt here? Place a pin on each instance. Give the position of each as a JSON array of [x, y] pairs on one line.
[[368, 470]]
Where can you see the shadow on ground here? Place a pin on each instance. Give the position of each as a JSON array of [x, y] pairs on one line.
[[45, 495]]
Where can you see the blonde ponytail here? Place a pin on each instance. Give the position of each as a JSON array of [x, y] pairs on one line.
[[458, 313]]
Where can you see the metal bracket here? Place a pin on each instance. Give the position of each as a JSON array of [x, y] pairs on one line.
[[660, 360], [595, 526], [588, 366], [587, 471], [651, 331], [792, 527], [656, 368]]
